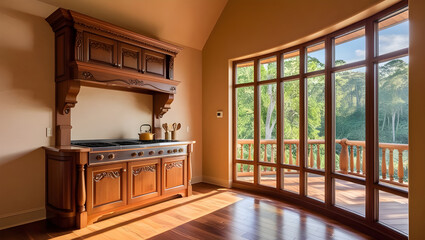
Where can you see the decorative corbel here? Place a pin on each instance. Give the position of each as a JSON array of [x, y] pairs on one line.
[[162, 102], [67, 92]]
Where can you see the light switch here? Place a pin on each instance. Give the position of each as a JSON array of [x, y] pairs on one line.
[[48, 132]]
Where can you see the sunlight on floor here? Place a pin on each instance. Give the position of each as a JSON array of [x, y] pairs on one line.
[[150, 221]]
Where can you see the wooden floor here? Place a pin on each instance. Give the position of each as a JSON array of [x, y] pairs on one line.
[[211, 213], [393, 210]]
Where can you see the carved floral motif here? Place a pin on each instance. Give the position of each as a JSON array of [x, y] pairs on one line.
[[169, 166], [154, 59], [87, 75], [101, 45], [127, 53], [151, 168], [111, 174]]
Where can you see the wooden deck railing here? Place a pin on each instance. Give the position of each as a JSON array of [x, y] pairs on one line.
[[352, 157]]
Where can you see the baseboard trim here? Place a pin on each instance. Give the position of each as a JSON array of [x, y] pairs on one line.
[[196, 179], [22, 217], [217, 181]]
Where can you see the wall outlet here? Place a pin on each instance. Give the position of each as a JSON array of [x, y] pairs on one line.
[[48, 132], [219, 114]]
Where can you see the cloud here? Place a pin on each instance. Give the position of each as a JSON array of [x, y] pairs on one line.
[[392, 42], [360, 54]]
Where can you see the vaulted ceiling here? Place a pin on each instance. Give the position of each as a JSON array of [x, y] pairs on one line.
[[184, 22]]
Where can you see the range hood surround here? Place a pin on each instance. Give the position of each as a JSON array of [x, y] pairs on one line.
[[94, 53]]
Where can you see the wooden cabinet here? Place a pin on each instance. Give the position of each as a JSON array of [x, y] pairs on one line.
[[107, 187], [154, 63], [174, 174], [129, 57], [100, 50], [144, 178]]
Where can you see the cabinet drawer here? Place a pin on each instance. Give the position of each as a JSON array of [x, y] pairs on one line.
[[129, 57], [100, 50], [106, 187], [143, 180]]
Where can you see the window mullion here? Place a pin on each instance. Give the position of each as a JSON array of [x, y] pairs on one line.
[[303, 125], [256, 121], [329, 124]]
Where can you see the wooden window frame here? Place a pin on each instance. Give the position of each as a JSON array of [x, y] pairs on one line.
[[368, 222]]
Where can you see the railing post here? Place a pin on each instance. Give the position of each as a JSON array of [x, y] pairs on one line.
[[343, 156], [265, 152], [351, 159], [249, 154], [290, 154], [242, 151], [298, 154], [272, 154], [311, 156], [318, 156], [391, 167], [384, 164], [358, 158], [284, 153], [400, 166], [364, 160]]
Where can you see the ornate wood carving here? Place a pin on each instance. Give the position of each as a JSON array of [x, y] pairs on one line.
[[81, 189], [170, 67], [79, 46], [101, 45], [128, 53], [137, 171], [172, 165], [111, 174], [67, 95], [162, 102], [153, 59]]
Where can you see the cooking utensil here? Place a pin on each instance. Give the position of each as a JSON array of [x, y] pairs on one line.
[[179, 126], [174, 127], [147, 135], [165, 127]]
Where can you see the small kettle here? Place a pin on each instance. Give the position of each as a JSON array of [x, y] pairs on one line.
[[147, 135]]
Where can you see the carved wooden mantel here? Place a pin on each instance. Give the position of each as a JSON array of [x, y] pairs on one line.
[[91, 52]]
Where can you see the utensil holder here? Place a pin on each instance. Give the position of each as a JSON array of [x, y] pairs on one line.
[[167, 135], [173, 135]]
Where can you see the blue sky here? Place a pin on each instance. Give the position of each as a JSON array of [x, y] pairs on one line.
[[390, 39]]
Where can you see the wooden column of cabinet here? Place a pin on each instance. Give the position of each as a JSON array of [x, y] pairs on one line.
[[90, 52]]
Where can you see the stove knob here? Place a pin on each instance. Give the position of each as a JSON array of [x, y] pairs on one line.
[[174, 150], [170, 151], [141, 153], [160, 152], [99, 157], [181, 150], [111, 156], [151, 152], [134, 154]]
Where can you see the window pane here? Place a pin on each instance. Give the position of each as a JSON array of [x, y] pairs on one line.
[[394, 211], [245, 72], [291, 106], [268, 68], [316, 57], [291, 64], [350, 47], [268, 123], [316, 122], [245, 172], [316, 186], [350, 196], [291, 180], [267, 176], [393, 102], [393, 33], [350, 121], [245, 123]]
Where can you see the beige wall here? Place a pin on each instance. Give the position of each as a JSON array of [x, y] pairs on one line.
[[27, 106], [416, 120]]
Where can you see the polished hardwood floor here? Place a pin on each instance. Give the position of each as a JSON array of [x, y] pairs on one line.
[[393, 210], [211, 213]]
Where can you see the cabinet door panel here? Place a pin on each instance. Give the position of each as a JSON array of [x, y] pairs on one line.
[[144, 180], [154, 63], [130, 57], [106, 187], [174, 174], [100, 49]]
